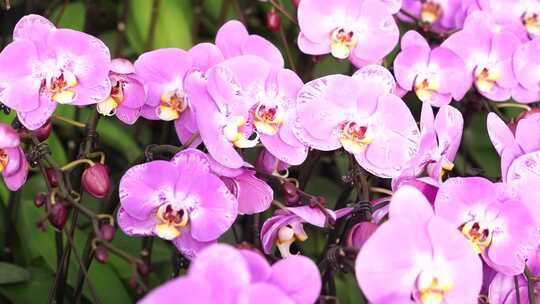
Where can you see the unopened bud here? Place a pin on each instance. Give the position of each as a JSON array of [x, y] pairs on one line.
[[44, 132], [107, 232], [96, 181], [360, 233], [292, 199], [143, 269], [273, 21], [52, 177], [296, 3], [40, 199], [101, 254], [58, 215], [289, 188]]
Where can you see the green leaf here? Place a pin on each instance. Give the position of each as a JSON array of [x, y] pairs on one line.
[[57, 150], [478, 147], [42, 244], [73, 16], [4, 192], [118, 137], [34, 290], [11, 273], [172, 29]]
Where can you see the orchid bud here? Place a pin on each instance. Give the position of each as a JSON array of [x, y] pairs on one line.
[[40, 199], [106, 232], [96, 181], [58, 214], [293, 199], [52, 177], [44, 132], [143, 269], [289, 188], [360, 233], [101, 254], [296, 3], [273, 21]]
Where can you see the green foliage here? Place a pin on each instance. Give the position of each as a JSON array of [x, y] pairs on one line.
[[11, 273], [172, 28]]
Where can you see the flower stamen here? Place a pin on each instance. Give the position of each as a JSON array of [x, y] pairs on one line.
[[479, 237], [343, 42], [355, 137], [171, 220]]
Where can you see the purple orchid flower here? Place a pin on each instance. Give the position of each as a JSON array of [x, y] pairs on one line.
[[13, 163], [436, 76], [487, 214], [244, 95], [427, 185], [520, 157], [502, 288], [223, 274], [363, 31], [253, 195], [527, 72], [440, 140], [360, 233], [487, 54], [520, 15], [179, 200], [163, 71], [286, 226], [361, 116], [434, 265], [441, 15], [127, 96], [44, 66], [234, 40]]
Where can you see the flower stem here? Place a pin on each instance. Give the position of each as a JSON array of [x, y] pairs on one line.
[[283, 11], [77, 163], [512, 105], [69, 121]]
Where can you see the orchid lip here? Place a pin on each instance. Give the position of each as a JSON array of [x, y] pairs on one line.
[[486, 78], [343, 41], [268, 119], [232, 133], [171, 221], [430, 12], [61, 86], [425, 88], [432, 286], [286, 236], [173, 103], [531, 21], [479, 237], [4, 159], [355, 137]]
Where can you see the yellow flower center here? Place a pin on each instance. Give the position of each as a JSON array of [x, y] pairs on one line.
[[268, 119], [531, 21], [425, 88], [4, 159], [432, 286], [173, 103], [479, 236], [342, 42], [430, 12], [355, 137], [171, 221], [287, 236], [486, 78], [108, 106], [61, 87], [238, 138]]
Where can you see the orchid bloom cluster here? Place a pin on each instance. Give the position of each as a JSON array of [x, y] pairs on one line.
[[439, 238]]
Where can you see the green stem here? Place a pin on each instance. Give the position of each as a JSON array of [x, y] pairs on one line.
[[512, 105], [76, 163], [69, 121]]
